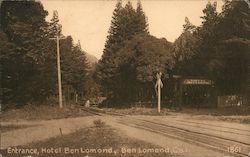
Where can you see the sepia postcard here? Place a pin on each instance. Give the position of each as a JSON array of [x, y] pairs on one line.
[[125, 78]]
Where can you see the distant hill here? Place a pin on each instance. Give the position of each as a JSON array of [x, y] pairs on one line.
[[91, 59]]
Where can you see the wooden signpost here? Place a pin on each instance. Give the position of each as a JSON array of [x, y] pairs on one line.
[[159, 85]]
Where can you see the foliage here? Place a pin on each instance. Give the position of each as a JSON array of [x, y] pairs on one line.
[[28, 56], [219, 48], [234, 55], [126, 23], [74, 65], [23, 23], [148, 55], [139, 60], [54, 27], [185, 47]]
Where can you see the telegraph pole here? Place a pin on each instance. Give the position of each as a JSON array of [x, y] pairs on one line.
[[59, 72], [59, 69], [57, 38]]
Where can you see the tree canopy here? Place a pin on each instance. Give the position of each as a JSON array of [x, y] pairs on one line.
[[28, 56], [131, 56], [219, 48]]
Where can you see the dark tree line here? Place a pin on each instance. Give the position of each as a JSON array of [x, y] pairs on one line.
[[28, 56], [219, 49], [131, 56]]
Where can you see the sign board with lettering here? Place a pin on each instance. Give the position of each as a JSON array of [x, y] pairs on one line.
[[197, 82]]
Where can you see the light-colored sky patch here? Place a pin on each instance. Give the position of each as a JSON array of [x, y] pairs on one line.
[[89, 20]]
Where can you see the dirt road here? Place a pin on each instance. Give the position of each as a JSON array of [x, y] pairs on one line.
[[176, 137], [41, 130]]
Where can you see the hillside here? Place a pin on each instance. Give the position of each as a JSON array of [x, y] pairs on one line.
[[91, 59]]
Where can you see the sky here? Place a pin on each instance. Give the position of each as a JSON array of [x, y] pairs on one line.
[[89, 20]]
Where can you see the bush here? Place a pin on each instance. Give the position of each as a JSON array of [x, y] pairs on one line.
[[98, 123]]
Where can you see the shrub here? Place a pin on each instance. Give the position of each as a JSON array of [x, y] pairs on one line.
[[98, 123]]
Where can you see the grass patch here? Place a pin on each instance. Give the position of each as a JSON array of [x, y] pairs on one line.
[[42, 112], [237, 119], [138, 111], [229, 114], [13, 127], [103, 138], [225, 111]]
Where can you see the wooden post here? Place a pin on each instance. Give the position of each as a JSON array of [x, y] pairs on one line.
[[60, 129], [76, 97], [59, 73], [57, 38], [159, 85], [180, 95], [159, 95]]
